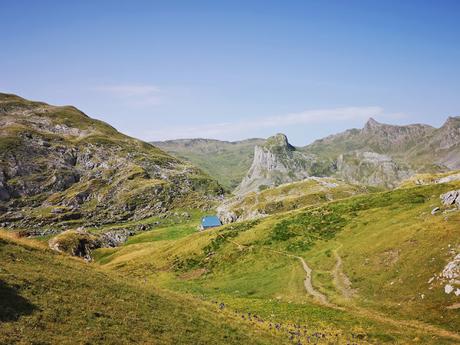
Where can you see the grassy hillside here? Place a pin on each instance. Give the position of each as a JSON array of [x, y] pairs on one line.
[[425, 179], [227, 162], [376, 261], [287, 197], [46, 298], [57, 165]]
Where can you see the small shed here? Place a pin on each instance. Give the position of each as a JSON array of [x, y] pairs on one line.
[[210, 222]]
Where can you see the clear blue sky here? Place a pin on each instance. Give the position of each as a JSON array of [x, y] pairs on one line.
[[236, 69]]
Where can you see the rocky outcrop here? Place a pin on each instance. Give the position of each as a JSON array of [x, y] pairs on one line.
[[115, 238], [371, 168], [451, 198], [444, 146], [76, 243], [81, 243], [274, 163]]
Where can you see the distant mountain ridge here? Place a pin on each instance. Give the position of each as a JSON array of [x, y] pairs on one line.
[[378, 155]]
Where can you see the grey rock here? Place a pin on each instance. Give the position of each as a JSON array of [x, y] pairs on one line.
[[371, 168], [115, 238], [275, 162], [4, 194], [435, 210], [451, 197]]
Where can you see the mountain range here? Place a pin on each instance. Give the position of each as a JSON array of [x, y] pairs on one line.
[[377, 155], [353, 239]]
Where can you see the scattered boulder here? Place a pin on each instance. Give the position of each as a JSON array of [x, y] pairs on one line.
[[448, 288], [450, 198], [115, 238], [226, 216], [435, 210], [452, 269], [75, 242]]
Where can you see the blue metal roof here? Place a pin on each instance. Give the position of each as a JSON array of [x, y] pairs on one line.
[[210, 221]]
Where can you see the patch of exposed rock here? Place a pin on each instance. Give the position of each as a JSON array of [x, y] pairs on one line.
[[76, 243], [451, 275], [451, 198], [81, 243], [371, 168], [277, 162]]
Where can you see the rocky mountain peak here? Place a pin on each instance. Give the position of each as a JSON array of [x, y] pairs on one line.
[[275, 162], [447, 137], [279, 140], [452, 122], [372, 122], [372, 125]]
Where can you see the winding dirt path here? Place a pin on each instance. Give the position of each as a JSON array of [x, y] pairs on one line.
[[341, 281], [321, 298], [309, 286]]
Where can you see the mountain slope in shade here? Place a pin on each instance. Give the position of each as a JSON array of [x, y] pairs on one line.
[[59, 165]]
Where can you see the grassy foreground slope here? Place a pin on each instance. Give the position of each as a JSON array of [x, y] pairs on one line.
[[376, 260], [48, 298]]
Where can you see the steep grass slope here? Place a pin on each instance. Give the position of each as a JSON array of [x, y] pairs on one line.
[[377, 264], [46, 298]]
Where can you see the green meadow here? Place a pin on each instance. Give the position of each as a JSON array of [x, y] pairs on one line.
[[371, 256]]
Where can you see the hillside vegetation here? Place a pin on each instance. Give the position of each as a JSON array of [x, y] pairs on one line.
[[376, 262], [59, 168], [47, 298], [286, 197]]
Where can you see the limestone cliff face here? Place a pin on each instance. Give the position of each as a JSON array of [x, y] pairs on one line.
[[274, 163], [371, 168]]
